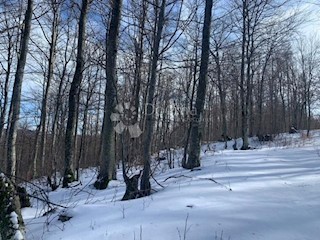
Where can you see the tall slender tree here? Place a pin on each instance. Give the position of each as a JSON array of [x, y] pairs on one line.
[[8, 187], [41, 130], [71, 131], [145, 186], [107, 155], [195, 138], [16, 94], [11, 39]]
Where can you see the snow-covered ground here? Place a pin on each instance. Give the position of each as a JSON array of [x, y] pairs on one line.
[[269, 193]]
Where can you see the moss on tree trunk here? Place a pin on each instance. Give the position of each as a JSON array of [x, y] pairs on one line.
[[11, 224]]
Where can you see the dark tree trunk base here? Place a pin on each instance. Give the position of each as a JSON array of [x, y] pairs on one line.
[[132, 191], [191, 167], [53, 185], [245, 148], [145, 187], [23, 196], [68, 178], [101, 183]]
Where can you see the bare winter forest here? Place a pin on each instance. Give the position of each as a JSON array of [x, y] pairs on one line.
[[114, 83]]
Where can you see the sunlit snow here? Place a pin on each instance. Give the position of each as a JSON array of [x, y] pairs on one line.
[[269, 193]]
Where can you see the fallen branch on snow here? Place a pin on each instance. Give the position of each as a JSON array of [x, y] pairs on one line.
[[209, 179]]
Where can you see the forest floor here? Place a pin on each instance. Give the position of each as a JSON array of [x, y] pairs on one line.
[[271, 192]]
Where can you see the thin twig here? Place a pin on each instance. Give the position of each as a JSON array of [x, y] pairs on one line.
[[222, 185], [209, 179], [174, 176], [47, 201], [157, 182]]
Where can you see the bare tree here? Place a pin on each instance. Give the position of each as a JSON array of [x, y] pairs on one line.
[[130, 147], [9, 188], [107, 155], [57, 106], [16, 94], [191, 87], [195, 138], [257, 18], [74, 92], [219, 52], [41, 129], [309, 51], [145, 186], [11, 33]]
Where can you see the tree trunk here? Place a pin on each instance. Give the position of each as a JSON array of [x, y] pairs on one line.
[[16, 94], [189, 115], [107, 155], [222, 95], [236, 113], [132, 189], [41, 141], [57, 109], [11, 206], [71, 130], [84, 130], [145, 186], [261, 90], [243, 88], [6, 83], [195, 137], [139, 58], [11, 225]]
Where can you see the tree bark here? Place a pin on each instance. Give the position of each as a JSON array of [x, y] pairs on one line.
[[129, 148], [84, 128], [145, 186], [222, 95], [8, 70], [16, 94], [74, 92], [11, 225], [189, 114], [243, 88], [107, 155], [139, 58], [196, 132], [57, 108]]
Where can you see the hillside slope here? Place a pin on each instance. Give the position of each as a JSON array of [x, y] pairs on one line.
[[271, 192]]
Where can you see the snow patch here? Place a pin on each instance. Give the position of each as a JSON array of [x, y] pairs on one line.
[[14, 217], [18, 235]]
